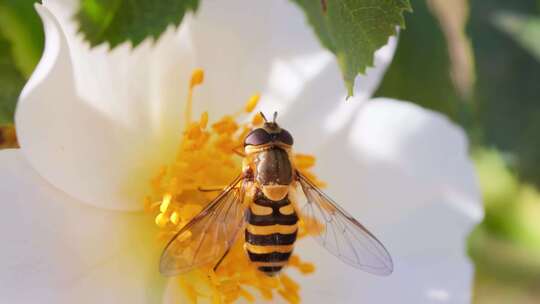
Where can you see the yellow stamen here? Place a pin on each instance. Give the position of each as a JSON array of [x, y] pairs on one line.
[[204, 120], [189, 290], [289, 290], [174, 218], [226, 126], [249, 297], [252, 103], [165, 203], [303, 161], [161, 220], [197, 78], [302, 266], [189, 211], [257, 119]]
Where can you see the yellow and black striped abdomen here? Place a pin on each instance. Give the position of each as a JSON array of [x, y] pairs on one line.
[[270, 233]]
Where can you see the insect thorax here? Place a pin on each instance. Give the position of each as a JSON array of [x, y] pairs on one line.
[[273, 172]]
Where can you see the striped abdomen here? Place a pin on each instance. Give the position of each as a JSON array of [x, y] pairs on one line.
[[270, 233]]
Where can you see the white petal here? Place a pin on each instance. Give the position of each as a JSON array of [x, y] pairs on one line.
[[57, 250], [405, 173], [397, 157], [268, 46], [421, 279], [147, 83], [100, 151], [430, 263]]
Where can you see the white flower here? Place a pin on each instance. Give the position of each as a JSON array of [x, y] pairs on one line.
[[93, 126]]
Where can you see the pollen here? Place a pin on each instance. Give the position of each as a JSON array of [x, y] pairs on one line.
[[207, 160], [197, 78], [257, 119]]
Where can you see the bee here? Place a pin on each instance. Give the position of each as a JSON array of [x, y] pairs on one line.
[[258, 203]]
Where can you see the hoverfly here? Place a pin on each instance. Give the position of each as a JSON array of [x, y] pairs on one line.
[[268, 218]]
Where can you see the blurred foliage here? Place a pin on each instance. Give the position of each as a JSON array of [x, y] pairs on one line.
[[21, 26], [118, 21], [11, 82], [507, 92], [506, 246], [21, 45], [524, 29], [354, 29], [492, 290], [512, 207]]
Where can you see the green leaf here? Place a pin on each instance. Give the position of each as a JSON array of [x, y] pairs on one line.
[[524, 29], [117, 21], [11, 82], [354, 29]]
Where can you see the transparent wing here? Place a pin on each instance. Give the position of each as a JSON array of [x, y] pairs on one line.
[[341, 234], [208, 236]]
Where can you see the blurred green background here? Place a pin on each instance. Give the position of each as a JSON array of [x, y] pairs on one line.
[[476, 61], [483, 71]]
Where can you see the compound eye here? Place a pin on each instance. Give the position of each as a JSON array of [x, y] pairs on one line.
[[285, 137], [257, 137]]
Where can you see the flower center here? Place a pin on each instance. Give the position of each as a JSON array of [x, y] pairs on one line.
[[208, 158]]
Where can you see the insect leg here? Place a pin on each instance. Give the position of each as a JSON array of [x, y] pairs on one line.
[[221, 259]]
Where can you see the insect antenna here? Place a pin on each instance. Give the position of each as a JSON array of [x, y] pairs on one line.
[[275, 117], [264, 117]]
